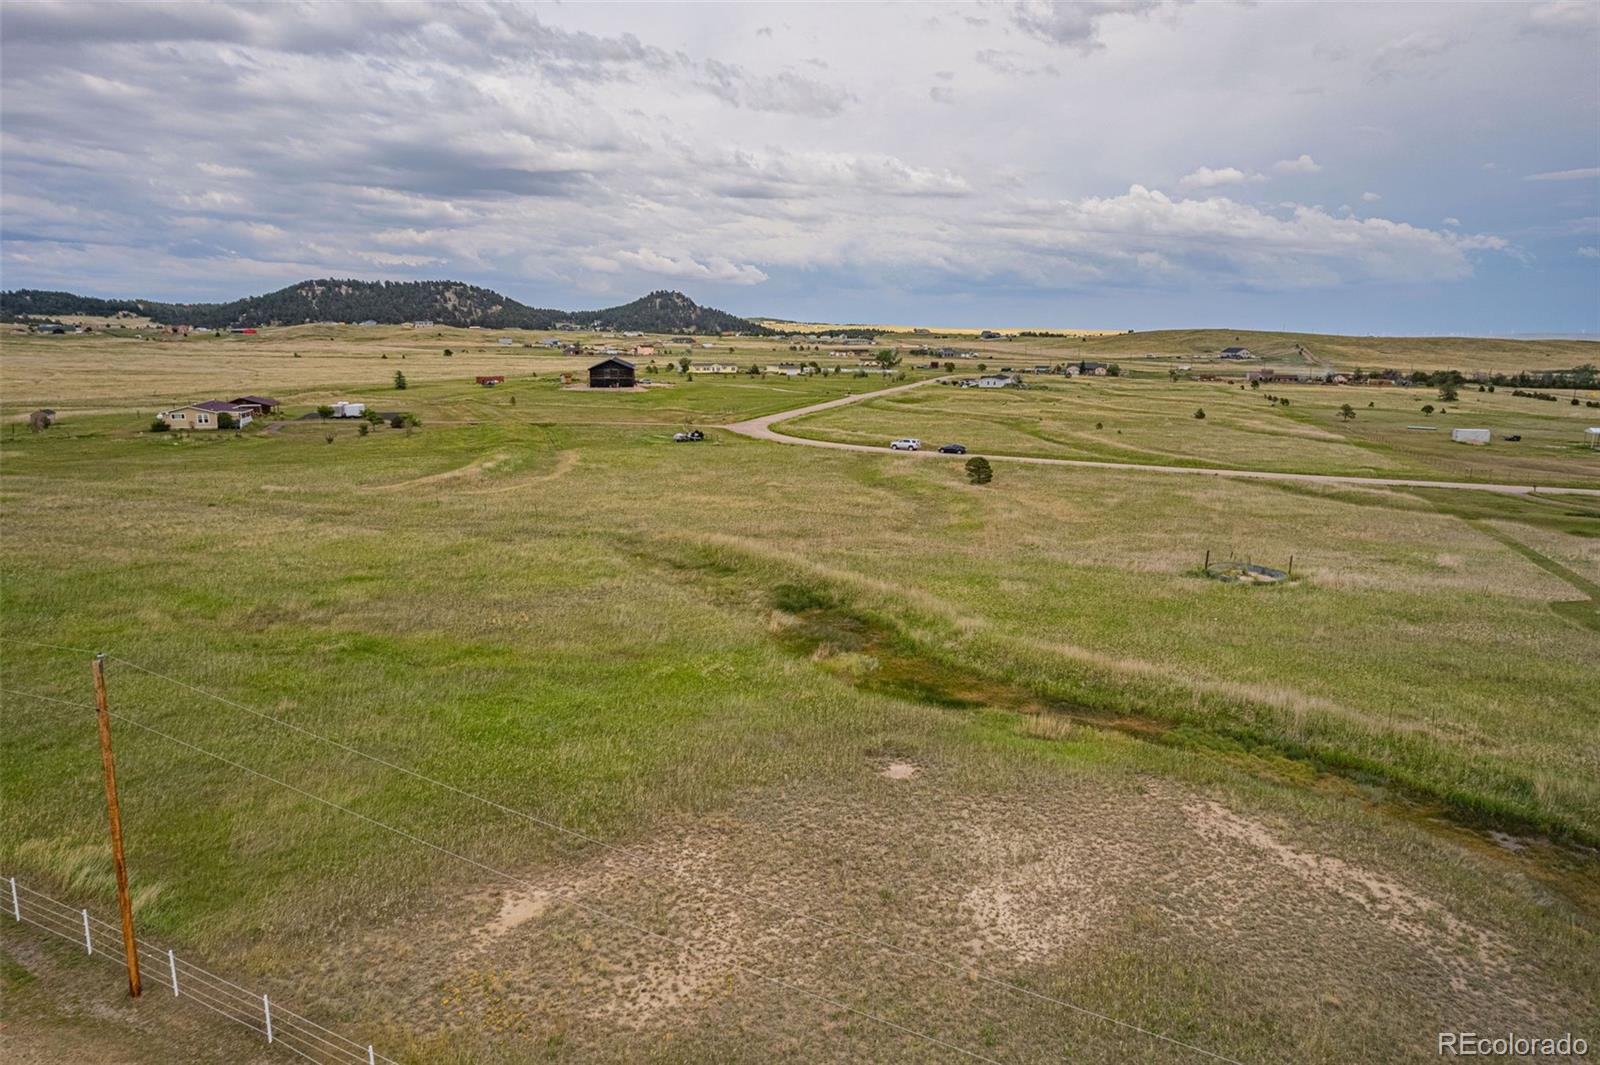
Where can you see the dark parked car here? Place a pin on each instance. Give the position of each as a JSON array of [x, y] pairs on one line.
[[952, 449], [1514, 437], [692, 436]]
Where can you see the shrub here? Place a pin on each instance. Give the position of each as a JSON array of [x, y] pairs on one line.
[[363, 429], [399, 380], [448, 353], [1427, 408], [397, 422], [328, 438], [372, 417], [1099, 425], [1347, 412], [1447, 392], [1199, 413], [159, 426], [325, 412], [979, 471], [226, 421]]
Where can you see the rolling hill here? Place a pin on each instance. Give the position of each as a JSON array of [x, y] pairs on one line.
[[390, 302]]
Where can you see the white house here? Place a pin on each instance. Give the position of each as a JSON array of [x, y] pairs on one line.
[[997, 381]]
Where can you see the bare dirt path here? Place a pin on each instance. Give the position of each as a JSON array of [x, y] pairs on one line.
[[762, 428]]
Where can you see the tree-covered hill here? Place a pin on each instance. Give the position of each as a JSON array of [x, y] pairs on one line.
[[389, 302]]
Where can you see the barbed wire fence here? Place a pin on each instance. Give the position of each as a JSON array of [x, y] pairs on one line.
[[272, 1021]]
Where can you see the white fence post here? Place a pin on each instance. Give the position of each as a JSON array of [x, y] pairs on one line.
[[16, 904], [371, 1058], [88, 941], [172, 965], [266, 1008]]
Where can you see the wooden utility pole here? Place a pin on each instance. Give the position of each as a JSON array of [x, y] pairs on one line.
[[130, 949]]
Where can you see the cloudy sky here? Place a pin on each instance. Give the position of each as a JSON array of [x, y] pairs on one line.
[[1374, 168]]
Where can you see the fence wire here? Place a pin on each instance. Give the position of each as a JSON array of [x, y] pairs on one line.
[[164, 974]]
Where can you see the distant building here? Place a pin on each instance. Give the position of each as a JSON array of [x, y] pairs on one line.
[[261, 404], [611, 373], [644, 351], [998, 381], [1470, 436], [714, 367], [206, 416], [505, 342], [1234, 353], [490, 380]]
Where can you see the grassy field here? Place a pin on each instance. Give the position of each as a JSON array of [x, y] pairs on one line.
[[1009, 727], [1200, 346], [1152, 420]]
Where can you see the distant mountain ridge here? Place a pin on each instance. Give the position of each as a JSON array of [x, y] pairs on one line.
[[452, 303]]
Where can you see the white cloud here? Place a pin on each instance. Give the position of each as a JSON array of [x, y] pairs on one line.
[[715, 268], [1409, 55], [1205, 177], [1308, 248], [1451, 222], [1303, 165], [1589, 251], [1564, 18], [1370, 197], [1074, 24], [942, 94], [1582, 173]]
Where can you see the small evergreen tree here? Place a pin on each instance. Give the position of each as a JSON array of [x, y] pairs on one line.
[[1347, 412], [399, 380], [979, 471], [1199, 413]]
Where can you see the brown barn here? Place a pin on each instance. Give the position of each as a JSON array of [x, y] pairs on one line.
[[263, 404], [612, 373], [490, 380]]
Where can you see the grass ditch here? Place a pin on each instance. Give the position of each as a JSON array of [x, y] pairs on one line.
[[875, 651]]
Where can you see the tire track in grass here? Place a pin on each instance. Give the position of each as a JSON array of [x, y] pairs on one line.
[[1583, 612]]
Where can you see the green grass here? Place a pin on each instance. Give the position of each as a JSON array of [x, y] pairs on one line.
[[1151, 421], [709, 649]]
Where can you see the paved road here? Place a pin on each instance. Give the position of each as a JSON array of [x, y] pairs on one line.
[[762, 429]]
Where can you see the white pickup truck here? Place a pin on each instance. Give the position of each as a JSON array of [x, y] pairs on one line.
[[907, 443]]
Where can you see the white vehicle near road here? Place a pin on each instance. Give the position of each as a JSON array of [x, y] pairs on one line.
[[905, 444]]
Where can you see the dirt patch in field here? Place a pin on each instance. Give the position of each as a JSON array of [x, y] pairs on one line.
[[918, 890]]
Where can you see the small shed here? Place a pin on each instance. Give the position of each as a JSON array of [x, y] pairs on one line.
[[490, 380], [611, 373], [1593, 433], [1470, 436], [264, 404]]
